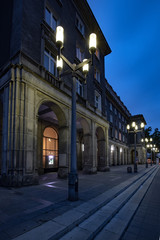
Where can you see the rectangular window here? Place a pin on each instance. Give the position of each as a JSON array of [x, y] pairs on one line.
[[111, 118], [97, 75], [97, 100], [115, 111], [79, 24], [97, 53], [50, 19], [120, 136], [111, 132], [79, 87], [120, 125], [49, 62], [116, 134], [79, 54], [110, 106], [123, 138]]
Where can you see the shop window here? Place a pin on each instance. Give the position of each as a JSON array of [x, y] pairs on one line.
[[50, 148]]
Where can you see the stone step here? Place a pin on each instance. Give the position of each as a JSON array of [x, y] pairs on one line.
[[59, 226], [117, 226], [89, 228]]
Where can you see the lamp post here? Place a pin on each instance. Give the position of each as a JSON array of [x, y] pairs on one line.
[[146, 141], [134, 128], [74, 70]]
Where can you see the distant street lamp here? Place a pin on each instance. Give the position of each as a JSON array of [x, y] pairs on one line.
[[146, 141], [151, 147], [134, 128], [74, 70]]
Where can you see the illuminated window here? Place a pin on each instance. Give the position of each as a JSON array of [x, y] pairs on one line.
[[97, 53], [120, 136], [49, 18], [50, 148], [50, 62]]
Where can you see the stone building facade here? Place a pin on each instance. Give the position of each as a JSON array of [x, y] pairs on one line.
[[35, 115], [118, 117]]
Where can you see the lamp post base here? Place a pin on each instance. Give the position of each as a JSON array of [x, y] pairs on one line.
[[73, 187], [135, 168]]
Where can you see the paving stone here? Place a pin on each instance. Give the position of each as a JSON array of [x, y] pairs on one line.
[[43, 232]]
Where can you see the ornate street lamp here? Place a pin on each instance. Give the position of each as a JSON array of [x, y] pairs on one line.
[[74, 69], [146, 141], [134, 128]]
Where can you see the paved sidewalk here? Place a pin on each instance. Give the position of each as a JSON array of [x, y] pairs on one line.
[[145, 224], [22, 209]]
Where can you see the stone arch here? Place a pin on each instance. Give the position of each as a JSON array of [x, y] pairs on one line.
[[101, 149], [83, 143], [51, 114]]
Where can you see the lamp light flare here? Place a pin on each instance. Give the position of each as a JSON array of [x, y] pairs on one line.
[[85, 67], [60, 36], [59, 63], [133, 124], [142, 125], [128, 127], [92, 42]]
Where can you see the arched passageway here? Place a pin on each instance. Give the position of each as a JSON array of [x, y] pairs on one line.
[[101, 150], [83, 143], [51, 138]]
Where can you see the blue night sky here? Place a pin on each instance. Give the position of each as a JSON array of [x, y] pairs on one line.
[[132, 30]]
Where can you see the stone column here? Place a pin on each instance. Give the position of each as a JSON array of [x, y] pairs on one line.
[[89, 154], [18, 133], [63, 151], [107, 150]]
